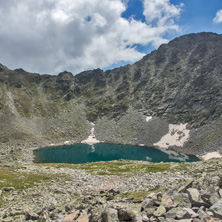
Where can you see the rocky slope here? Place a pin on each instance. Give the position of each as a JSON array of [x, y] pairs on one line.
[[112, 192], [181, 82]]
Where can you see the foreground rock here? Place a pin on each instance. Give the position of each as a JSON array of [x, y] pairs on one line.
[[74, 195], [217, 209]]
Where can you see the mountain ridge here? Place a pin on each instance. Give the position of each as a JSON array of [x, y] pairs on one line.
[[171, 98], [178, 83]]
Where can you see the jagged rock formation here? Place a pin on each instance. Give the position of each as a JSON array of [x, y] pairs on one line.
[[181, 82]]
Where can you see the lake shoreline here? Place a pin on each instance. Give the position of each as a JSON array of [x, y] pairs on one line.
[[85, 152], [14, 156], [203, 157]]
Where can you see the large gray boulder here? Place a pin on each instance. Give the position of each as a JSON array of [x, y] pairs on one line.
[[160, 211], [195, 198], [128, 214], [171, 214], [216, 209], [186, 213], [167, 201], [210, 195], [147, 203], [181, 200], [110, 215]]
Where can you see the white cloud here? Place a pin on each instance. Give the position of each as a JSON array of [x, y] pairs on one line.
[[162, 15], [218, 18], [49, 36]]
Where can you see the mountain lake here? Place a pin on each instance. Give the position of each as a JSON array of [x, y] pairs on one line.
[[83, 153]]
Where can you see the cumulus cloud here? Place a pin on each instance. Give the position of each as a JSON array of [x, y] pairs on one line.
[[218, 17], [162, 15], [49, 36]]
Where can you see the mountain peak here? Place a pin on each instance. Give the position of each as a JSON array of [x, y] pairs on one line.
[[181, 82]]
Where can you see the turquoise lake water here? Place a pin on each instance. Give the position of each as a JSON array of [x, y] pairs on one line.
[[83, 153]]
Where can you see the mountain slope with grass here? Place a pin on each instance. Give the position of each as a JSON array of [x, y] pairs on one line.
[[180, 83]]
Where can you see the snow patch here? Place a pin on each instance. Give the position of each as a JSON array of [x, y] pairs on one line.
[[148, 118], [92, 138], [177, 136], [67, 142], [52, 144], [211, 155]]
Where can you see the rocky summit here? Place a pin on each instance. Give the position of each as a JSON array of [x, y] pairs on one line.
[[170, 99]]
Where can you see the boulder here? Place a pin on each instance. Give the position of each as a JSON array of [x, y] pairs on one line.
[[95, 214], [7, 189], [16, 212], [145, 218], [210, 195], [202, 214], [216, 209], [31, 216], [195, 209], [83, 218], [195, 199], [160, 211], [182, 214], [147, 203], [209, 219], [155, 196], [153, 219], [220, 193], [161, 219], [171, 214], [184, 188], [110, 215], [191, 212], [129, 215], [149, 211], [167, 201], [71, 217], [100, 201], [186, 213], [181, 200], [123, 214], [68, 208]]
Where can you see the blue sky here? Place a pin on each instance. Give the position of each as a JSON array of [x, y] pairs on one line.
[[196, 16], [50, 36]]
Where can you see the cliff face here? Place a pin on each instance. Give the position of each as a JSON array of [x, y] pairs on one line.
[[181, 82]]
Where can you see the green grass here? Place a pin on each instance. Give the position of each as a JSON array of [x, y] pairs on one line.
[[121, 168], [24, 180], [21, 180], [138, 196]]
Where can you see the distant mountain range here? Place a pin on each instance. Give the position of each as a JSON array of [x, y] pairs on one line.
[[181, 82]]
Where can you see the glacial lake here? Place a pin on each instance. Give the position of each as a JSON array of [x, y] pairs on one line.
[[83, 153]]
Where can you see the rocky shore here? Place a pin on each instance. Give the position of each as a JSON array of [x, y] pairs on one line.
[[112, 192]]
